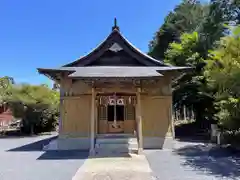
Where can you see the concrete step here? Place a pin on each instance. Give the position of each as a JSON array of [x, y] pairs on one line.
[[115, 140], [113, 145], [116, 145], [113, 150], [115, 135]]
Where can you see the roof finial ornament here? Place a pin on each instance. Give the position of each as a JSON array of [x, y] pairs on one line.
[[115, 25]]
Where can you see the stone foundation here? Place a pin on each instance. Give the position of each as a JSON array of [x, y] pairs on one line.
[[68, 144], [158, 143]]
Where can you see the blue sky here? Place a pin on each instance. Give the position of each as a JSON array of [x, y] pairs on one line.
[[50, 33]]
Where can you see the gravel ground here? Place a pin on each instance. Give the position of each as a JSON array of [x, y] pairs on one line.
[[23, 159], [196, 161]]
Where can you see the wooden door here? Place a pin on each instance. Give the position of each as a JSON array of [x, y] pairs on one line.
[[115, 118], [102, 119]]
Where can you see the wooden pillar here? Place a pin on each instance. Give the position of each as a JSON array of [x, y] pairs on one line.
[[172, 120], [61, 105], [115, 110], [96, 115], [61, 117], [139, 122], [92, 124]]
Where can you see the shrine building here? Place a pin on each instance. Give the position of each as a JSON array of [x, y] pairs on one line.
[[116, 94]]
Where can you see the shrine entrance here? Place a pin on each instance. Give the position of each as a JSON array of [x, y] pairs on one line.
[[115, 118], [116, 113]]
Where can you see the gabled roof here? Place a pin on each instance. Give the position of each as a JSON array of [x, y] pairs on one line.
[[86, 67], [116, 38]]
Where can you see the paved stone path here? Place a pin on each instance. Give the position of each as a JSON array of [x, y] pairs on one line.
[[115, 168]]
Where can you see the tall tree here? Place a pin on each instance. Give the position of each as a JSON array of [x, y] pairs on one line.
[[192, 48], [207, 19], [213, 27], [190, 89], [223, 74], [184, 18]]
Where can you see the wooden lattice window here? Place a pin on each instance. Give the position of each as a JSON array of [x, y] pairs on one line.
[[130, 112], [102, 113]]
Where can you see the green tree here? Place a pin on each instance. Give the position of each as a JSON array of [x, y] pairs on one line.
[[213, 27], [6, 85], [186, 17], [190, 90], [189, 16], [190, 47], [223, 74], [37, 106]]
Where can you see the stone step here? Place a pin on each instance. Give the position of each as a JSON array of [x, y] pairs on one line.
[[110, 150], [113, 145], [115, 140], [116, 145], [114, 135]]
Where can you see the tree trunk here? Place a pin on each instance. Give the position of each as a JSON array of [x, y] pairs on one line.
[[31, 129]]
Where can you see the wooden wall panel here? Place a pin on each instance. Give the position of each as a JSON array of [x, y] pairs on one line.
[[76, 119], [102, 127], [129, 126], [156, 116], [157, 87]]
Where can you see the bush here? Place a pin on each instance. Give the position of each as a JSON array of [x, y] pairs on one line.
[[223, 73], [37, 120], [232, 138], [37, 106], [229, 114]]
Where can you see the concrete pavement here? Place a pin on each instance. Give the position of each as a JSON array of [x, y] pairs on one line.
[[23, 159], [133, 167]]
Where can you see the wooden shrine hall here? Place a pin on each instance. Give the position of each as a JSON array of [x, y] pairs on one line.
[[115, 96]]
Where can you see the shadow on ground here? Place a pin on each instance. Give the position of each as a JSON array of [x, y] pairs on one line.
[[61, 154], [195, 139], [78, 154], [64, 155], [14, 133], [34, 146], [211, 159]]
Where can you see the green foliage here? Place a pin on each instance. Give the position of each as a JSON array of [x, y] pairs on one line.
[[6, 84], [223, 73], [37, 106], [213, 27], [184, 52], [186, 17], [190, 90], [189, 16], [186, 37]]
